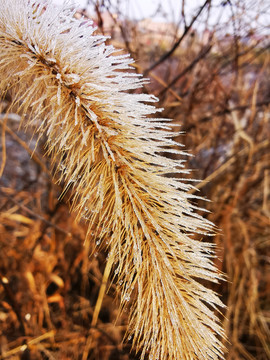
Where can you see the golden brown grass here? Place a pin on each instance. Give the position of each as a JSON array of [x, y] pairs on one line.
[[106, 146]]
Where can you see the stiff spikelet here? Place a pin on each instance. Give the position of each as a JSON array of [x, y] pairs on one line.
[[108, 150]]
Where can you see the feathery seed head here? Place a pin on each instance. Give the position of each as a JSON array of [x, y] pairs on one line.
[[105, 146]]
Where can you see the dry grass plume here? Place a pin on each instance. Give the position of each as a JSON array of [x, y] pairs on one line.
[[107, 146]]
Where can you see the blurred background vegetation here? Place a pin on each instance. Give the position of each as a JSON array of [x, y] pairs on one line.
[[209, 66]]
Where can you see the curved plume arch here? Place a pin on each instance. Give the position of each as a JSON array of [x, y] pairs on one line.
[[107, 144]]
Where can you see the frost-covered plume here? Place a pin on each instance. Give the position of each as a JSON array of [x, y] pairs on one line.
[[106, 147]]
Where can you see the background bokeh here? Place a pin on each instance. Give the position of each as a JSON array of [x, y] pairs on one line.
[[209, 66]]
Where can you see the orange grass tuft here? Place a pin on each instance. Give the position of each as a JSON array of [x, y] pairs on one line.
[[102, 141]]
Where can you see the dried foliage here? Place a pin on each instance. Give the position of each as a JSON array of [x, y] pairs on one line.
[[216, 91], [102, 140]]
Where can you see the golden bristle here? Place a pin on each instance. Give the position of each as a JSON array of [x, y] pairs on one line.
[[108, 150]]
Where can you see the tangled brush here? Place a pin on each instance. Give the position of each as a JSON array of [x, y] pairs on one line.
[[67, 85]]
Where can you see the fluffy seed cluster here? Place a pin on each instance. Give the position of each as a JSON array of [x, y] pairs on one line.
[[66, 83]]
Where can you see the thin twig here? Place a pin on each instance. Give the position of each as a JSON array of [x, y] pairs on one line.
[[200, 56], [101, 294], [23, 347], [35, 215], [224, 166], [160, 81], [224, 112], [178, 42]]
